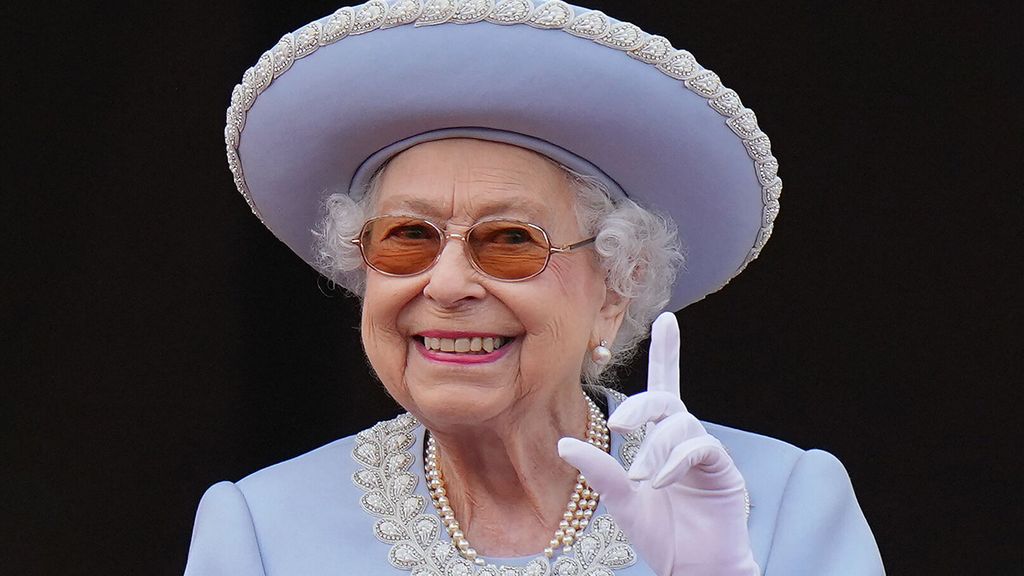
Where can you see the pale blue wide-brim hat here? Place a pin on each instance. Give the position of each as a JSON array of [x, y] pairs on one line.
[[332, 101]]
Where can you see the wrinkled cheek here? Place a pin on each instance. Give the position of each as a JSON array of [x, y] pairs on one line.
[[386, 350], [576, 277], [545, 363]]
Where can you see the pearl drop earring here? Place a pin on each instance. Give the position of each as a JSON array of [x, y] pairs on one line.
[[601, 355]]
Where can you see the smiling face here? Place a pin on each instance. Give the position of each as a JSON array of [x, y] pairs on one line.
[[422, 332]]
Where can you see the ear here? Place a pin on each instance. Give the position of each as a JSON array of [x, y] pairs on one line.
[[609, 317]]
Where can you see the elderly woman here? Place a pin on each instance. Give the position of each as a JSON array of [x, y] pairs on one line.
[[503, 192]]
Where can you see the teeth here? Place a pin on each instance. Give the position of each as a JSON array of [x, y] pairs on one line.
[[464, 345]]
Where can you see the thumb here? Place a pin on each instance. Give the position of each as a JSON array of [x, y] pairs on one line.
[[603, 472]]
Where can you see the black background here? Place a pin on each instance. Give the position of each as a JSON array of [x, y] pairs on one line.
[[156, 339]]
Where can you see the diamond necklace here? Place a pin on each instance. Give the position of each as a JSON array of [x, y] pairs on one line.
[[579, 510]]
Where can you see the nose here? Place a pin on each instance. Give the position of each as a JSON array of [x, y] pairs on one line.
[[453, 281]]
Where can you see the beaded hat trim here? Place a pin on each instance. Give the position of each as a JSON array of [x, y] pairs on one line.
[[555, 15]]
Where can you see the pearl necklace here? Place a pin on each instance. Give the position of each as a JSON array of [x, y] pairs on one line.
[[582, 502]]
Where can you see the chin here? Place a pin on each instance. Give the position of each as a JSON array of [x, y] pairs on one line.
[[459, 403]]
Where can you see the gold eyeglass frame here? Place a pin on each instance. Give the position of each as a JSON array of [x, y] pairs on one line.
[[464, 236]]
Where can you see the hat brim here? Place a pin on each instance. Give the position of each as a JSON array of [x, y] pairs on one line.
[[325, 99]]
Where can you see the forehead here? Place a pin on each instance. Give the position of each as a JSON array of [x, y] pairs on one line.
[[471, 179]]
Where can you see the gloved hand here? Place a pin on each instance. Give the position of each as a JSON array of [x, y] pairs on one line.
[[682, 503]]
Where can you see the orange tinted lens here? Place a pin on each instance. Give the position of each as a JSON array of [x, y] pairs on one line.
[[400, 245], [508, 250]]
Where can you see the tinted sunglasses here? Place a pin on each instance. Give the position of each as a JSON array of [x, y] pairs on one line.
[[503, 249]]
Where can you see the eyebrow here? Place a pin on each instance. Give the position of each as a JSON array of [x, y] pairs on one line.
[[525, 208], [418, 205]]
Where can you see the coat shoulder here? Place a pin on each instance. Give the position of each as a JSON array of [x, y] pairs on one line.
[[757, 454], [804, 516], [319, 466]]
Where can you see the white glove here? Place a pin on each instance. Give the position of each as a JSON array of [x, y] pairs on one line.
[[683, 503]]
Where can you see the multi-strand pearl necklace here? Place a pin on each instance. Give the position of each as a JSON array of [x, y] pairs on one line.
[[582, 502]]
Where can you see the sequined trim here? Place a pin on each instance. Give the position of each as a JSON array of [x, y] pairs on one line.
[[385, 456], [556, 15]]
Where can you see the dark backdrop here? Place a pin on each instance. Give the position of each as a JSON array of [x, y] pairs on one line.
[[156, 339]]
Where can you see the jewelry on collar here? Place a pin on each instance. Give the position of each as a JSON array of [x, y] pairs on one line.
[[580, 509]]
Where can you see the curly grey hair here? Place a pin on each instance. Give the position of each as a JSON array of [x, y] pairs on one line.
[[638, 249]]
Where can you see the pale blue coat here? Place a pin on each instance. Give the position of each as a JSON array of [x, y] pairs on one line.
[[306, 516]]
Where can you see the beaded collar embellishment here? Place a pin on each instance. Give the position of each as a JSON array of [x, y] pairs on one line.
[[386, 458]]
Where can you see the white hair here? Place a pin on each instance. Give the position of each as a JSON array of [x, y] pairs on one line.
[[638, 249]]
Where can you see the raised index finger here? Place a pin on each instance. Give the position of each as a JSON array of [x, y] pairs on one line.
[[663, 360]]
